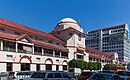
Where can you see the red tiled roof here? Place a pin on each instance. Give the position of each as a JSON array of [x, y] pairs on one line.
[[100, 54], [95, 56], [108, 59], [99, 57], [97, 51], [8, 36], [69, 28], [48, 45], [14, 37], [28, 30]]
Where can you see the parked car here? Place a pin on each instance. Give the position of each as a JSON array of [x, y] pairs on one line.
[[50, 75], [17, 75], [85, 75], [125, 75], [107, 71], [105, 76]]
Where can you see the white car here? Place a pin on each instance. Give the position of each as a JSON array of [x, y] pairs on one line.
[[17, 75], [50, 75]]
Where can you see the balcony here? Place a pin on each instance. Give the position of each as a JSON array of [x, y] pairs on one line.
[[37, 50], [38, 53], [23, 51], [66, 57], [57, 56], [80, 57], [48, 54], [9, 49]]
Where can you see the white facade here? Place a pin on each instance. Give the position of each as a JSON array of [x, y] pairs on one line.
[[42, 52], [111, 39], [69, 31]]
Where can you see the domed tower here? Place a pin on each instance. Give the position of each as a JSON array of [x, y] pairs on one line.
[[66, 23], [70, 32]]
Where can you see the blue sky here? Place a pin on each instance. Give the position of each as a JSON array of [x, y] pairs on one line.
[[43, 15]]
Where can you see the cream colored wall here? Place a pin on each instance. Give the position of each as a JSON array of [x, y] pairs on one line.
[[2, 67], [60, 68], [33, 67], [17, 66], [42, 67], [82, 42], [86, 57]]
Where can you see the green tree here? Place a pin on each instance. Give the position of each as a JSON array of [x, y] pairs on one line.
[[78, 64], [98, 65], [94, 66], [90, 66], [109, 66]]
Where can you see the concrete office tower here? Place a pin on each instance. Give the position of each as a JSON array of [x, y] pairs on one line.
[[111, 39]]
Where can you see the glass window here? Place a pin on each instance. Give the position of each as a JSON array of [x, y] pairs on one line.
[[2, 29], [25, 67], [48, 67], [17, 33], [9, 66], [50, 42], [57, 67], [38, 75], [38, 67], [64, 67], [65, 75], [57, 75], [50, 75], [70, 34]]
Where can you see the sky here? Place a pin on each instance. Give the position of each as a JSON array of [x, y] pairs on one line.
[[44, 15]]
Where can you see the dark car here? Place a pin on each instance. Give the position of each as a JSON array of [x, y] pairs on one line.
[[50, 75], [107, 71], [85, 75], [105, 76], [125, 75]]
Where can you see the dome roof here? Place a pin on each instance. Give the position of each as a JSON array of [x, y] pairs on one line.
[[67, 20]]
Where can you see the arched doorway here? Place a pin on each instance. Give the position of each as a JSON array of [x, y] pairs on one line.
[[25, 63], [48, 64], [65, 63]]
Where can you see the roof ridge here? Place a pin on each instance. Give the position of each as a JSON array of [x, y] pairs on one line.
[[28, 29]]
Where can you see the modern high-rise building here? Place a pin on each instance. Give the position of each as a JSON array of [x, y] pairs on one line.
[[111, 39]]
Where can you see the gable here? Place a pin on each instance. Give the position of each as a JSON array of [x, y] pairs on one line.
[[24, 38]]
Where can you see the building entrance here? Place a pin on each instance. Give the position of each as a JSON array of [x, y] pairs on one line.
[[25, 67], [48, 67]]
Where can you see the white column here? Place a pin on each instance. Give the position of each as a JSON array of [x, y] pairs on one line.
[[53, 67], [60, 68], [1, 45], [3, 67], [42, 51], [33, 49], [33, 67], [60, 54], [16, 47], [16, 67], [53, 53], [42, 67]]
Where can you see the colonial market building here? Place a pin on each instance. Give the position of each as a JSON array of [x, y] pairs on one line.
[[24, 48]]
